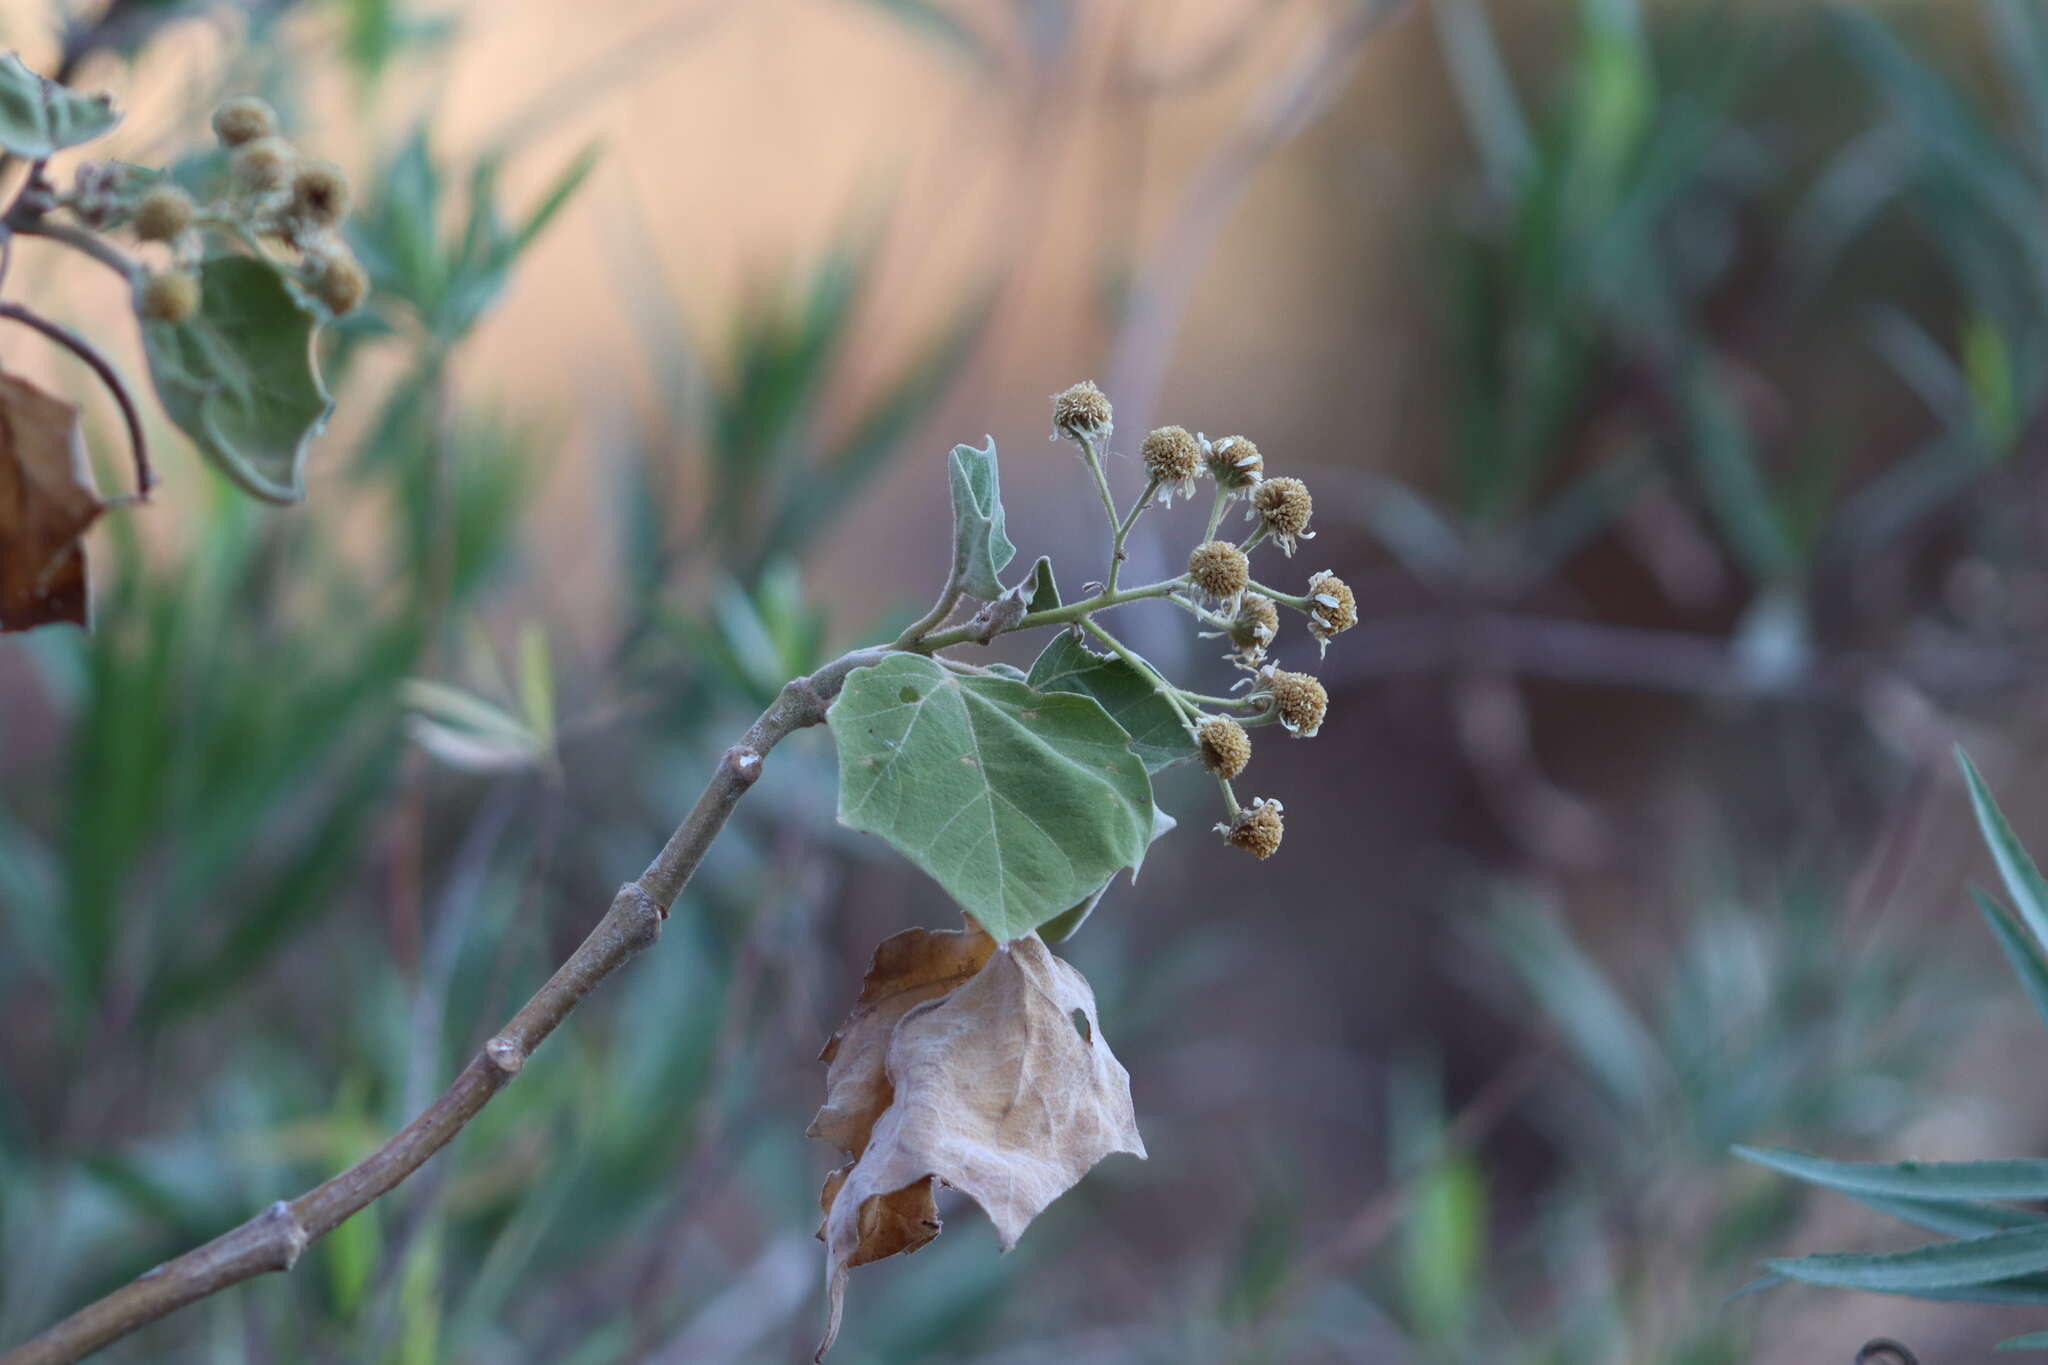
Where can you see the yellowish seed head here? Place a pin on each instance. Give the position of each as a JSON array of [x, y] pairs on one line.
[[163, 215], [1332, 609], [1226, 748], [1236, 463], [1219, 569], [1256, 830], [320, 195], [339, 280], [264, 164], [1172, 460], [1298, 698], [243, 119], [1082, 413], [171, 297]]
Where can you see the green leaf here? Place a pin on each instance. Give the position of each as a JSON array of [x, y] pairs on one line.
[[2026, 956], [1942, 1265], [1913, 1179], [1020, 803], [239, 377], [39, 118], [981, 547], [2022, 879], [2032, 1341], [1045, 593], [1158, 735]]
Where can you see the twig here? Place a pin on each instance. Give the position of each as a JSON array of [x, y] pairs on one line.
[[145, 477], [274, 1239]]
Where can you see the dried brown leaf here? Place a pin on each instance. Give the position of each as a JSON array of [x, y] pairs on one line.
[[908, 969], [1003, 1088], [47, 500]]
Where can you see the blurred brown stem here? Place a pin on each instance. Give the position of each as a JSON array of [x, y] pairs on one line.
[[145, 477], [275, 1238]]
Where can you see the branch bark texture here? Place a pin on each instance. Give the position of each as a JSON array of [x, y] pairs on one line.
[[275, 1238]]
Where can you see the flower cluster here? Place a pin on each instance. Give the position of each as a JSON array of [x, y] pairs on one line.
[[1218, 588], [269, 192]]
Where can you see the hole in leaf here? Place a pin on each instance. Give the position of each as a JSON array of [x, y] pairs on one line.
[[908, 695], [1081, 1025]]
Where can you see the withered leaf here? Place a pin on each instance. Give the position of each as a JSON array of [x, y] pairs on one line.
[[47, 500], [1004, 1088], [907, 969]]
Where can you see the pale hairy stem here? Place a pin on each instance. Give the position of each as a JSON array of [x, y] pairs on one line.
[[275, 1238], [1066, 614], [1101, 486], [1123, 532], [1299, 603]]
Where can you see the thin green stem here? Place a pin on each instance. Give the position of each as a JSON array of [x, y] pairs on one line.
[[1101, 482], [1216, 512], [1064, 615], [1123, 531], [1245, 545], [1201, 699], [1298, 603]]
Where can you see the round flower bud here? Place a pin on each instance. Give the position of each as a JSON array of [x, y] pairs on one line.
[[1172, 460], [1284, 506], [1332, 609], [339, 280], [1226, 748], [1256, 829], [264, 164], [1219, 569], [1081, 413], [319, 194], [171, 297], [1235, 462], [243, 119], [163, 215], [1298, 698]]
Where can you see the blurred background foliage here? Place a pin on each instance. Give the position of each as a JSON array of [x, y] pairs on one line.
[[1670, 377]]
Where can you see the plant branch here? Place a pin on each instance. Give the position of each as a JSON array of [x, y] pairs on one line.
[[275, 1238], [79, 240], [1101, 487], [1300, 603], [145, 477], [1066, 614], [1123, 532]]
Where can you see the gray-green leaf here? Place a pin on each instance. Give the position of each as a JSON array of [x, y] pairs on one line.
[[1943, 1265], [40, 118], [240, 378], [2019, 1179], [981, 547], [1020, 803], [1157, 733]]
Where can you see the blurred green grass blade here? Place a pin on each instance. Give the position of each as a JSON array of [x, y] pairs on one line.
[[2029, 960], [2021, 47], [1600, 1026], [1486, 96], [1941, 1265], [1732, 478], [2021, 1179], [940, 24], [2032, 1341], [2022, 879]]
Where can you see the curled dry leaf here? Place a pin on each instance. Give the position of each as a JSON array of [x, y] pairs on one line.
[[47, 500], [999, 1084]]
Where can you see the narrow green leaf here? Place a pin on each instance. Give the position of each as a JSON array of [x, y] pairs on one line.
[[1949, 1217], [1020, 803], [2032, 1341], [239, 377], [981, 546], [1158, 734], [2022, 879], [537, 683], [39, 118], [2027, 958], [1942, 1265], [2019, 1179]]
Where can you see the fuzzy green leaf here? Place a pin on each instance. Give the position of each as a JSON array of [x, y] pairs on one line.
[[40, 118], [1020, 803], [240, 378], [1942, 1265], [2027, 1179], [981, 546], [1157, 732], [1045, 591]]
